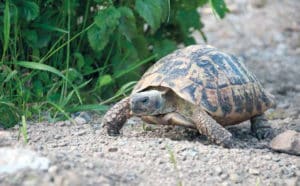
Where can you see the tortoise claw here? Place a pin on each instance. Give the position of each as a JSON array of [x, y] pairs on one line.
[[113, 132], [264, 133], [231, 143], [261, 128]]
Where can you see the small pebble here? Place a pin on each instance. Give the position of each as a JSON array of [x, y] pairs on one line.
[[61, 123], [68, 123], [254, 171], [53, 170], [62, 144], [218, 170], [235, 178], [57, 136], [113, 149], [79, 120], [86, 116], [224, 176], [80, 133]]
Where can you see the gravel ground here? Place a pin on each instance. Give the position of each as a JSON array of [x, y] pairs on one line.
[[267, 37]]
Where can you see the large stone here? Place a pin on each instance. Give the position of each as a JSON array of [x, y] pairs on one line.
[[14, 159], [287, 142]]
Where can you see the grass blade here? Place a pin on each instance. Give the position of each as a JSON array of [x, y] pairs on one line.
[[43, 67], [121, 92], [61, 110], [51, 28], [94, 107], [24, 129], [6, 29], [133, 67]]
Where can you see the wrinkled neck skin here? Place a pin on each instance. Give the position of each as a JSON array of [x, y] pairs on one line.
[[169, 105]]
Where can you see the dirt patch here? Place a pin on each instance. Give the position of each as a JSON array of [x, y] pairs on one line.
[[267, 39]]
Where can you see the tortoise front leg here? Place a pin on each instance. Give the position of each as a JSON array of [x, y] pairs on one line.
[[115, 117], [216, 133]]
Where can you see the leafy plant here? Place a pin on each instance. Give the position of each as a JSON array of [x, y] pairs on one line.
[[64, 56]]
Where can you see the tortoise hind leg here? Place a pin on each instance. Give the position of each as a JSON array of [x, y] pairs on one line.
[[260, 127], [115, 117], [213, 130]]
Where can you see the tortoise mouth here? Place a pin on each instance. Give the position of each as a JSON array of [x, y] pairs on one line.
[[137, 110]]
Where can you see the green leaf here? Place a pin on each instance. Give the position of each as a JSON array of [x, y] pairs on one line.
[[219, 7], [133, 67], [108, 17], [38, 88], [31, 37], [51, 28], [79, 59], [141, 44], [127, 25], [43, 67], [6, 28], [74, 75], [166, 9], [10, 76], [106, 22], [150, 11], [28, 9], [9, 114], [39, 66], [188, 20], [36, 38], [120, 93], [98, 38], [104, 80], [188, 4], [164, 47], [61, 110], [23, 129]]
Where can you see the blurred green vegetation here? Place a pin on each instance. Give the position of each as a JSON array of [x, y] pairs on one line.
[[62, 56]]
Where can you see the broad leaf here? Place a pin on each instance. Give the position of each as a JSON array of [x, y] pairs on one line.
[[219, 7], [166, 9], [164, 47], [104, 80], [38, 88], [27, 9], [106, 22], [79, 59], [150, 11], [188, 4], [188, 20], [127, 25]]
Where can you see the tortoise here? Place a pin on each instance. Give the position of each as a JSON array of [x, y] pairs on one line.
[[198, 87]]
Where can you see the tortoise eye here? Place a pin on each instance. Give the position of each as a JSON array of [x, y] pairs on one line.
[[145, 100]]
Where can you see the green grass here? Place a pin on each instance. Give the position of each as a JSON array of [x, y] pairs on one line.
[[59, 57], [23, 130], [174, 162]]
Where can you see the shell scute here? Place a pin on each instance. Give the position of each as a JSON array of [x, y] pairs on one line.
[[216, 81]]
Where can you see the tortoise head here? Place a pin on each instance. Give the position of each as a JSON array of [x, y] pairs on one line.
[[150, 102]]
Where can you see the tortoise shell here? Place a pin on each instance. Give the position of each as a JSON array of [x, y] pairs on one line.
[[214, 80]]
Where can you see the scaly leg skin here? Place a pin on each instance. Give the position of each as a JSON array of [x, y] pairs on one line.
[[115, 117], [216, 133], [261, 128]]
